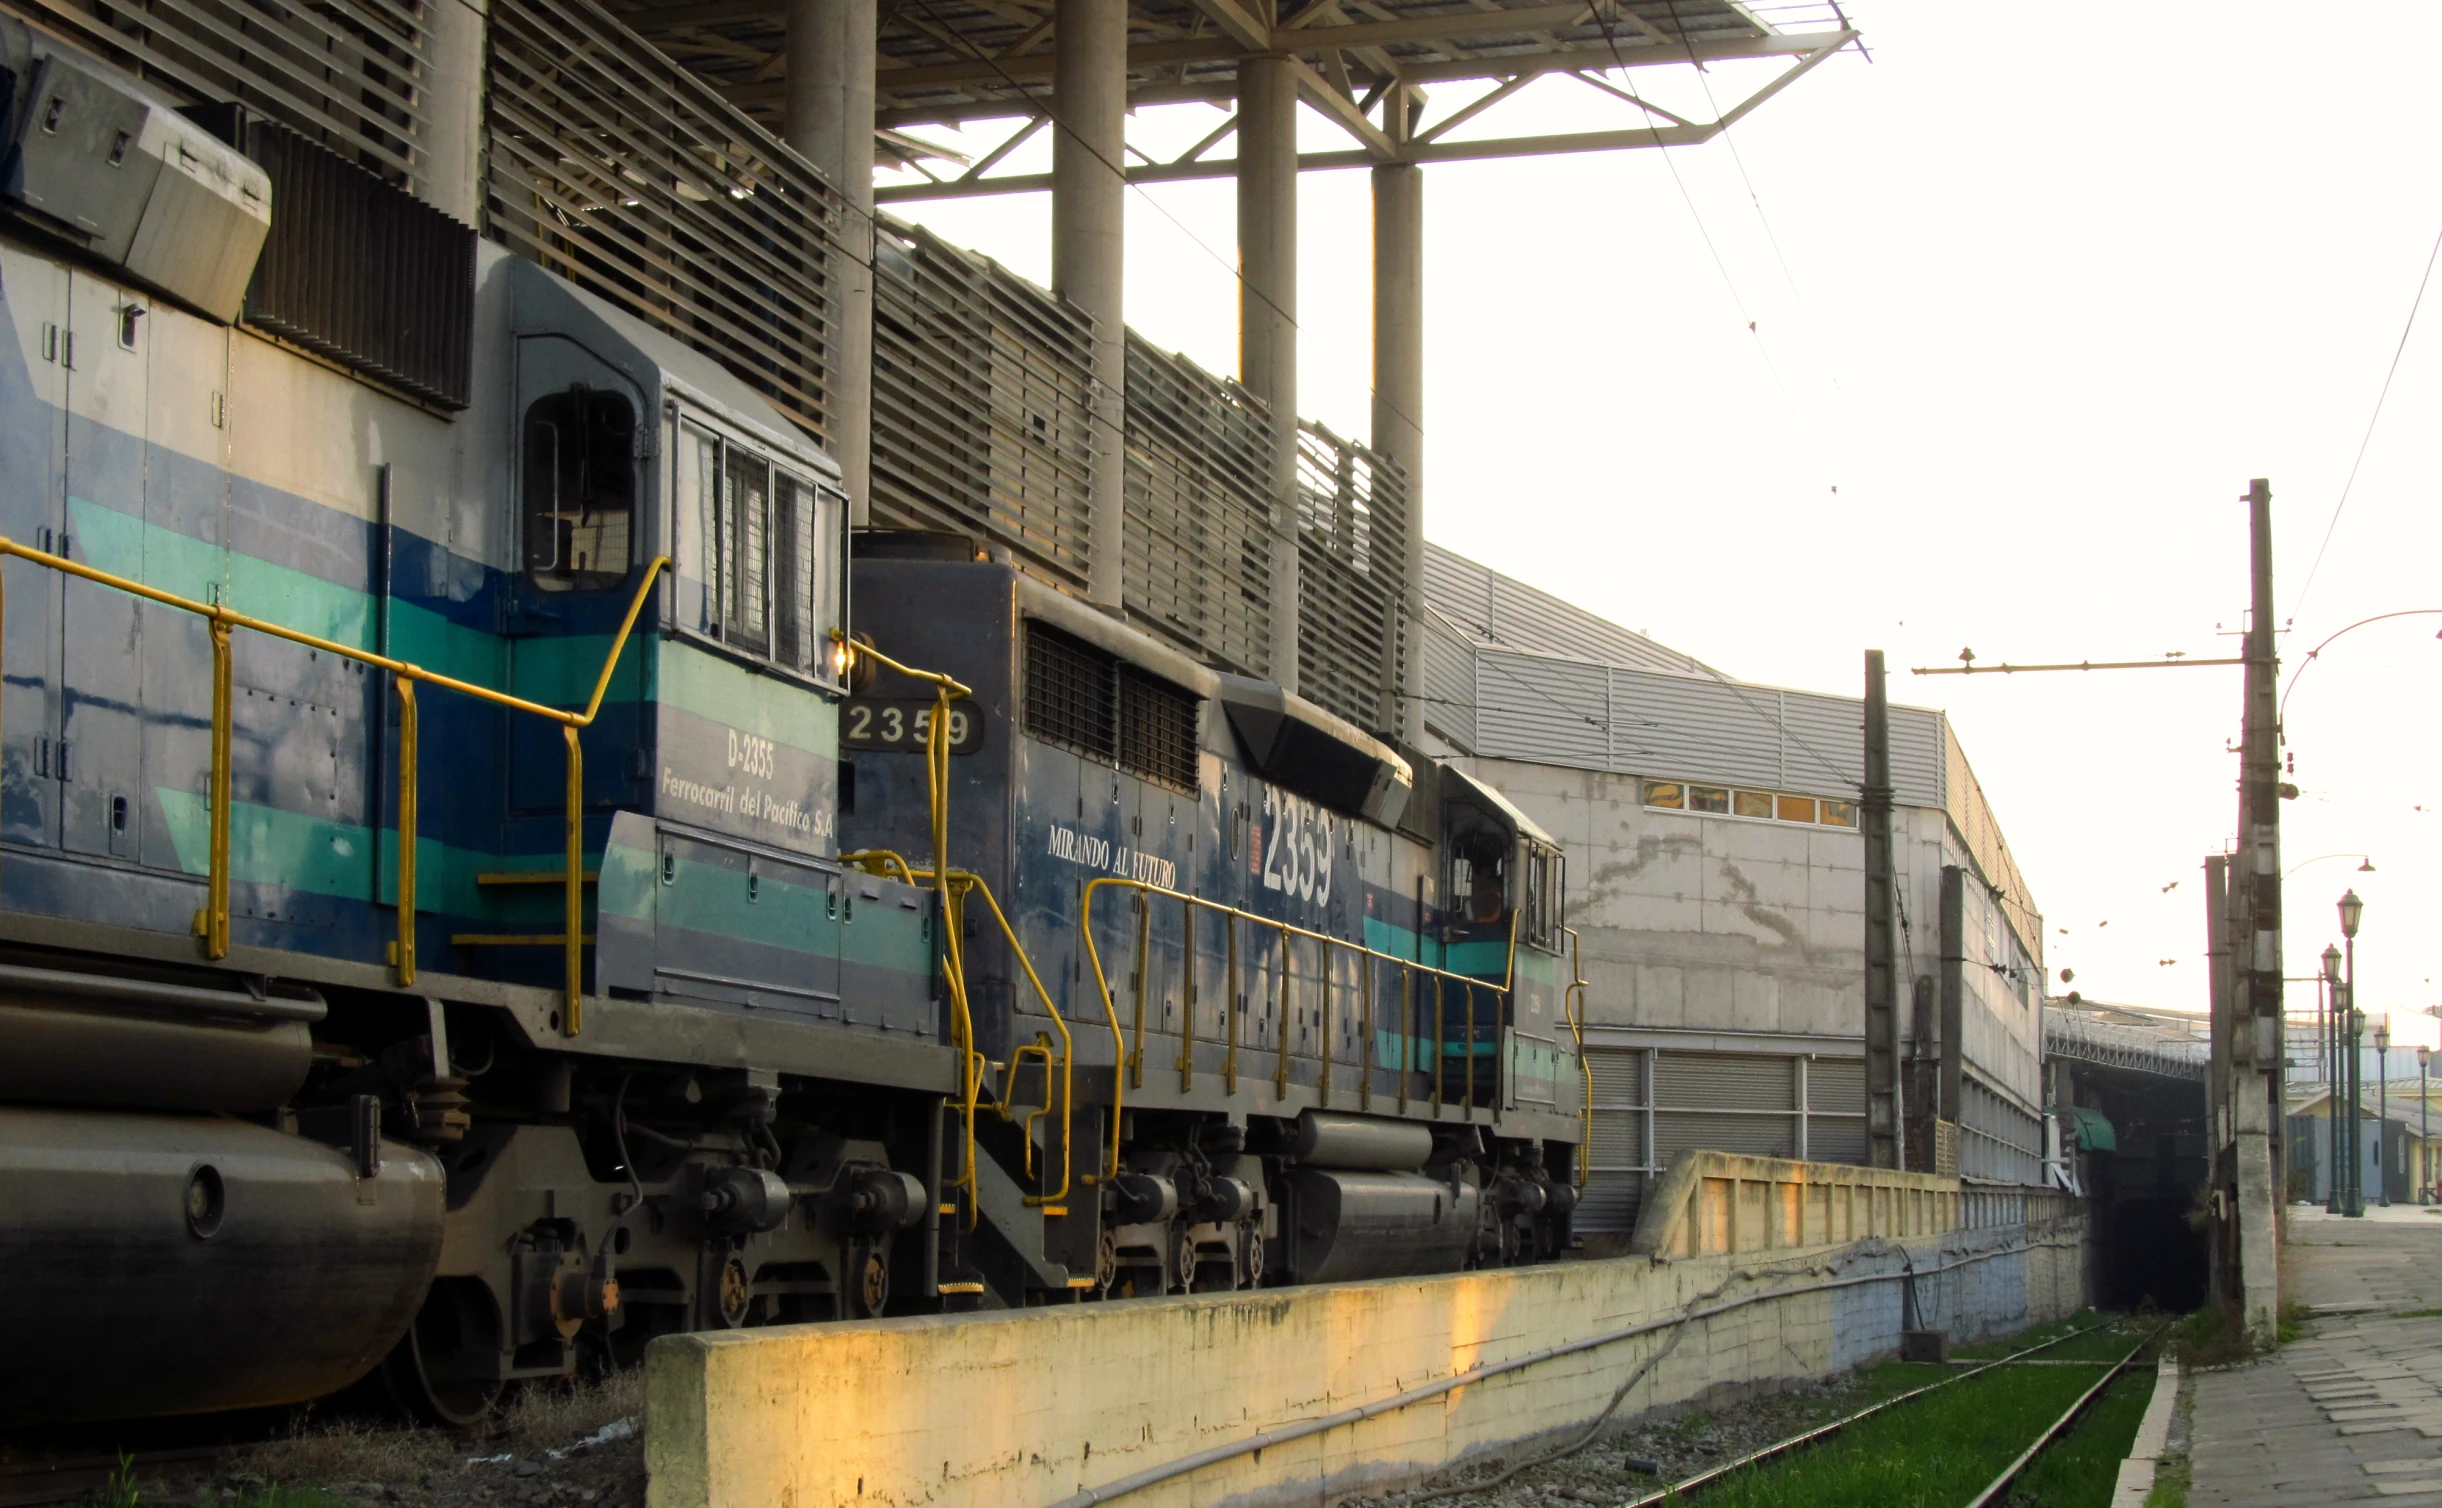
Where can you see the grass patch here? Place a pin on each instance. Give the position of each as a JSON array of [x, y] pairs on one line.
[[2417, 1314], [2170, 1485], [1994, 1350], [1934, 1453], [2083, 1467]]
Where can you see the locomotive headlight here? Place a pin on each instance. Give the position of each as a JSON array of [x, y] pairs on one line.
[[841, 654]]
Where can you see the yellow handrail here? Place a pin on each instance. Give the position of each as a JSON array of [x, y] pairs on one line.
[[212, 922], [882, 861], [1287, 930], [1573, 1002], [953, 944]]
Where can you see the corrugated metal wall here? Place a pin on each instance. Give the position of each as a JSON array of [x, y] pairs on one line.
[[1507, 704], [1650, 1104], [1503, 610]]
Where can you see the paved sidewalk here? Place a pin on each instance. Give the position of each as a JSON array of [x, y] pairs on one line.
[[2351, 1410]]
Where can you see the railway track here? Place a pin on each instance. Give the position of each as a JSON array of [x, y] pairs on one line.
[[1994, 1492]]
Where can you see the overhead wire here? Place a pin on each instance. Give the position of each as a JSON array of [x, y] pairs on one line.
[[2371, 420]]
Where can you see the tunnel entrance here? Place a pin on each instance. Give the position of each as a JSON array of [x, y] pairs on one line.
[[2136, 1127]]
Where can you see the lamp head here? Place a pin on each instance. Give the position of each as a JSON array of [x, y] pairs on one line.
[[2331, 962], [2357, 1021], [2367, 866], [2382, 1034], [2351, 909], [2425, 1059]]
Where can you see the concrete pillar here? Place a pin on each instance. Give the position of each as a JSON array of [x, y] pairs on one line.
[[1267, 313], [451, 176], [1088, 248], [1399, 419], [829, 121]]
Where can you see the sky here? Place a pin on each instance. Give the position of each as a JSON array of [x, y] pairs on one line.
[[1974, 345]]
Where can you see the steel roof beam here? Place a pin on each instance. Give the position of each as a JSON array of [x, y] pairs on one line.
[[1037, 68], [1419, 151]]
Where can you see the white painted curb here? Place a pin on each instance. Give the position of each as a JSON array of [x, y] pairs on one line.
[[2153, 1434]]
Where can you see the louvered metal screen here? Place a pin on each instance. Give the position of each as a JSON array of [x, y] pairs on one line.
[[1835, 1110], [1069, 691], [346, 74], [1157, 729], [980, 387], [1617, 1167], [1352, 545], [1198, 569], [631, 177]]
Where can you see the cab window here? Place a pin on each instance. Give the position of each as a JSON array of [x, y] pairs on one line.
[[769, 547], [580, 489]]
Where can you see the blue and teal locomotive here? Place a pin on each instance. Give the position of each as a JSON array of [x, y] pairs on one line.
[[1066, 970]]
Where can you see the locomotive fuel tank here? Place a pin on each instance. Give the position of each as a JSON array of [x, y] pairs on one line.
[[216, 1263], [1347, 1224]]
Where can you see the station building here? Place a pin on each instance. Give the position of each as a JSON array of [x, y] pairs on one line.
[[1716, 882]]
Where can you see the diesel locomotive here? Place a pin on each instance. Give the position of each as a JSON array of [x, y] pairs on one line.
[[485, 882]]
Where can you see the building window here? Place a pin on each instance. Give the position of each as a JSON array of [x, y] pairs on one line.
[[1707, 798], [1794, 808], [1751, 804], [1839, 813], [1665, 793], [580, 484]]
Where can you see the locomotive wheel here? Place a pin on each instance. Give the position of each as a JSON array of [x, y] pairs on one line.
[[736, 1294], [873, 1286], [1106, 1262], [1183, 1259], [1251, 1270], [434, 1372]]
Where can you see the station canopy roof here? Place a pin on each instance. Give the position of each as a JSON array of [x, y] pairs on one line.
[[946, 61]]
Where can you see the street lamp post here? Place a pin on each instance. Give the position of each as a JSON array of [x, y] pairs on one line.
[[2352, 910], [2334, 1200], [2425, 1111], [2382, 1099]]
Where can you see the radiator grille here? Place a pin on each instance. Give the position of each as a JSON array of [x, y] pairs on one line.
[[630, 176], [1083, 698], [1157, 729], [1069, 693], [347, 74]]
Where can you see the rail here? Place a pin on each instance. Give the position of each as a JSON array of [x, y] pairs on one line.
[[1129, 1064], [212, 921]]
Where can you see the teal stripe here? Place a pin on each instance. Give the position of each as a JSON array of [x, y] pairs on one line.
[[270, 846]]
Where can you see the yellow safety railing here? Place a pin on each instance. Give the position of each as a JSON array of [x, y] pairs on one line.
[[1059, 1069], [1128, 1066], [1574, 1005], [212, 922], [944, 883]]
